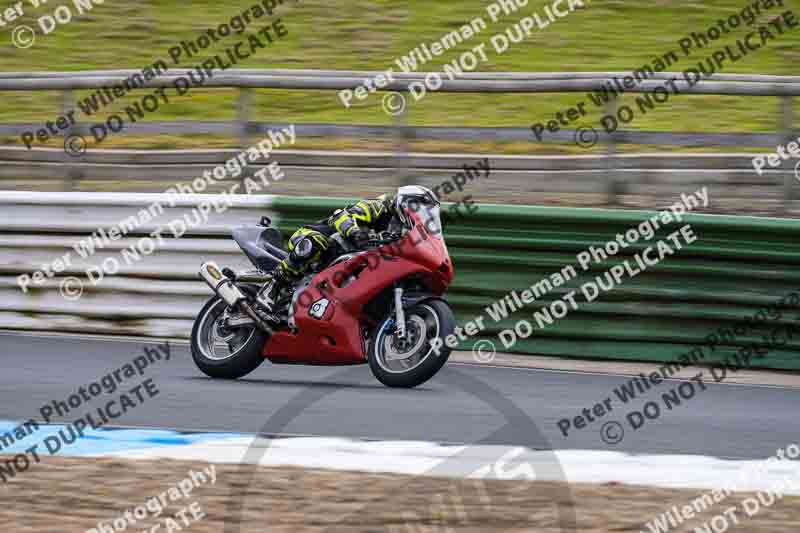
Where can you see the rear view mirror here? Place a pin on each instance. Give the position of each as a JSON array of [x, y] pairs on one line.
[[265, 221]]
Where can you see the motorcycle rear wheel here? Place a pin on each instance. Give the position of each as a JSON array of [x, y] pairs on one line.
[[210, 343], [415, 362]]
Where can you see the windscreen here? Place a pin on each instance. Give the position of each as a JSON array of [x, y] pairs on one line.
[[428, 210]]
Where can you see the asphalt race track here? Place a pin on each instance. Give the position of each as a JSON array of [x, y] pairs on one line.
[[463, 404]]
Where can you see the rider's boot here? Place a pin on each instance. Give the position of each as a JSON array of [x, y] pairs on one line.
[[271, 290]]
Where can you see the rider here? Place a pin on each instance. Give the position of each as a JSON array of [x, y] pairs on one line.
[[313, 243]]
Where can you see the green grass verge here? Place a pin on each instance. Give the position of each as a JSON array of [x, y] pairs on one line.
[[606, 35]]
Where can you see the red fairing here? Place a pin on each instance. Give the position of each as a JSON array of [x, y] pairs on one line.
[[331, 333]]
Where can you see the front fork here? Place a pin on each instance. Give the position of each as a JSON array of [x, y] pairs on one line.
[[400, 315]]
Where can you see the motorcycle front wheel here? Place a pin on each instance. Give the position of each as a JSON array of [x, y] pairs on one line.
[[412, 361], [225, 353]]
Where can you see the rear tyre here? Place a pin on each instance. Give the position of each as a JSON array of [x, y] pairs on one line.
[[221, 353], [413, 362]]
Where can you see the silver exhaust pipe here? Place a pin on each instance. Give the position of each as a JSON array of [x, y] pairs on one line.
[[221, 284], [225, 288]]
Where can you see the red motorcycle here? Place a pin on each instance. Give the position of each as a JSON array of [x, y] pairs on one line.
[[381, 304]]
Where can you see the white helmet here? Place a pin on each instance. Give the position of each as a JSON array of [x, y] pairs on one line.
[[417, 198]]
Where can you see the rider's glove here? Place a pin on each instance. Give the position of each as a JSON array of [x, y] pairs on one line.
[[359, 237]]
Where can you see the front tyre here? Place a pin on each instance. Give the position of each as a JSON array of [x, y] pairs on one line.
[[412, 362], [225, 353]]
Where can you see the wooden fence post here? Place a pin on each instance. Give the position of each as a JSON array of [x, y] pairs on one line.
[[243, 128], [72, 173], [785, 136], [611, 152], [402, 170]]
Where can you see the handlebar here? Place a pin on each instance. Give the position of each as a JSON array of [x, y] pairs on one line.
[[375, 243]]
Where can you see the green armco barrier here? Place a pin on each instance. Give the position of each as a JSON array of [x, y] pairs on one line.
[[738, 266]]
